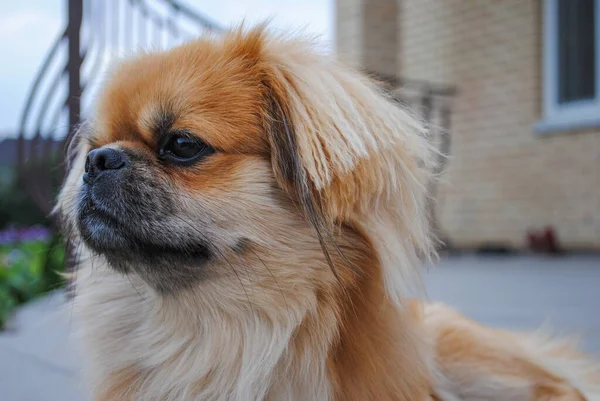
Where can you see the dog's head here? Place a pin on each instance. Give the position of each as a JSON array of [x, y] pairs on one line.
[[247, 150]]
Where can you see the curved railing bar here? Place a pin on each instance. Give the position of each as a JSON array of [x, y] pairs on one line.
[[50, 92], [45, 65], [171, 26], [142, 23], [59, 110], [158, 32], [128, 31], [31, 95], [154, 18], [182, 10], [98, 58], [49, 142], [87, 47], [195, 15]]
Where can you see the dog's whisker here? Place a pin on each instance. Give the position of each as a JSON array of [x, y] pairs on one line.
[[223, 257], [77, 260], [240, 281], [274, 279]]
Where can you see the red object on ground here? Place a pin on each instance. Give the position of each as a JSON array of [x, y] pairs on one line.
[[543, 241]]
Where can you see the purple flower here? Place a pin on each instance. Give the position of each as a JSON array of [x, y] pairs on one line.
[[13, 234], [35, 233], [8, 236]]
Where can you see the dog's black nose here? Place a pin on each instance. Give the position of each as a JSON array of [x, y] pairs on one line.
[[103, 160]]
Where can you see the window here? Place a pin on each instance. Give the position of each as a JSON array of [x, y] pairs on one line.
[[571, 65]]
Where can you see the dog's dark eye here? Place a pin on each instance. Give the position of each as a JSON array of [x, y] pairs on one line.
[[184, 149]]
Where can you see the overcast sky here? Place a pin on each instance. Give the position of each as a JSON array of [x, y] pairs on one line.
[[28, 28]]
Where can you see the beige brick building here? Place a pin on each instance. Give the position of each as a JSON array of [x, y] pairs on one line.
[[526, 118]]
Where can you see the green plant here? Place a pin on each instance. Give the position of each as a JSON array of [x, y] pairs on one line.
[[27, 270]]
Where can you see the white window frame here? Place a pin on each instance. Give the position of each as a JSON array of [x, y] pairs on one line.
[[573, 115]]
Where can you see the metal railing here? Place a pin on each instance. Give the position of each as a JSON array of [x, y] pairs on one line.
[[62, 91], [433, 103]]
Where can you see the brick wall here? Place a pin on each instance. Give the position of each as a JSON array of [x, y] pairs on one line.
[[502, 179], [349, 31], [366, 34]]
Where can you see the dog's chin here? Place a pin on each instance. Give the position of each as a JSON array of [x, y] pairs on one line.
[[128, 249], [104, 234]]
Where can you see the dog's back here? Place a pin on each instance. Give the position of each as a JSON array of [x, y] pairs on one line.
[[475, 362]]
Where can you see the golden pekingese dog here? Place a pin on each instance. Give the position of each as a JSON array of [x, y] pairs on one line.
[[249, 219]]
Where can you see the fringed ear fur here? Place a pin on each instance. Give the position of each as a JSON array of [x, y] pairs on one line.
[[291, 175], [349, 154]]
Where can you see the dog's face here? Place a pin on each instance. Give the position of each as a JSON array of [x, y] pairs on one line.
[[211, 156], [174, 175]]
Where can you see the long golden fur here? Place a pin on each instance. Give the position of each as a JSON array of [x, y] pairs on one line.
[[278, 266]]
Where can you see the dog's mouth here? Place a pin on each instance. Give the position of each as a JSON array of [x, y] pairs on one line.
[[134, 234], [122, 237], [102, 230]]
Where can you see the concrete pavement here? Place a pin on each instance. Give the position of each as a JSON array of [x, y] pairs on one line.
[[524, 293], [39, 359]]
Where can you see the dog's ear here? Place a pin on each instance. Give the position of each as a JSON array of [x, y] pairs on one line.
[[348, 153], [290, 172]]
